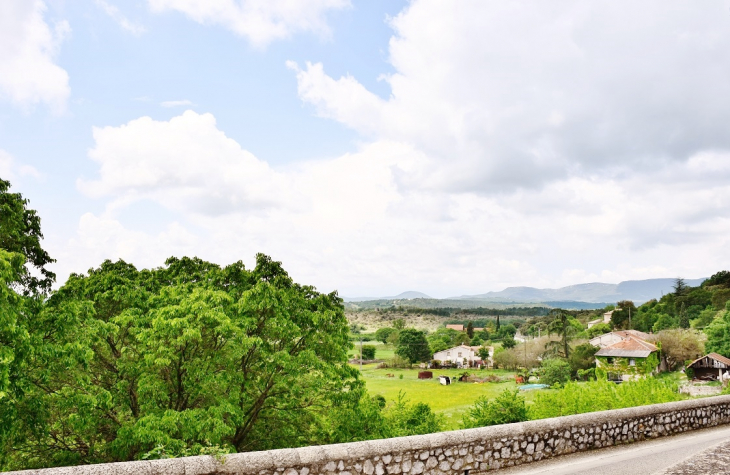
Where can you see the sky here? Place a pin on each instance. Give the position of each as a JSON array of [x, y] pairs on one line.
[[375, 146]]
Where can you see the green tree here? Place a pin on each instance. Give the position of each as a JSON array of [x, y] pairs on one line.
[[554, 371], [470, 329], [680, 287], [412, 346], [506, 408], [704, 318], [399, 324], [664, 322], [679, 346], [718, 333], [582, 358], [623, 314], [368, 352], [508, 342], [562, 325], [189, 358], [20, 232], [598, 329], [382, 334]]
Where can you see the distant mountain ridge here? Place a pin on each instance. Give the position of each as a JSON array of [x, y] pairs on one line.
[[638, 291], [407, 295]]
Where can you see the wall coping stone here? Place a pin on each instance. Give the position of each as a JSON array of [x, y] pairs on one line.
[[256, 463]]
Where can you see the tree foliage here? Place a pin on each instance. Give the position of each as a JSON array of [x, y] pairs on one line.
[[187, 357], [20, 232], [679, 346], [718, 333], [554, 371], [565, 327], [412, 346], [382, 334]]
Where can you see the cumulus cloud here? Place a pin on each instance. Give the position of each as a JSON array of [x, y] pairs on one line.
[[522, 144], [186, 163], [10, 169], [512, 95], [28, 47], [347, 223], [260, 21]]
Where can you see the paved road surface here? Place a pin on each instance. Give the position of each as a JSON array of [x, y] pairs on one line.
[[705, 452]]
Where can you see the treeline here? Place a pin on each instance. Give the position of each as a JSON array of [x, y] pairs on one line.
[[458, 311]]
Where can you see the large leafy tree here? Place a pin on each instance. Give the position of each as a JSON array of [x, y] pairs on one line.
[[565, 327], [412, 346], [20, 232], [186, 359]]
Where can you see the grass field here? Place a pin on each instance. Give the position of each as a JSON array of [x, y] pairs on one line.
[[450, 401]]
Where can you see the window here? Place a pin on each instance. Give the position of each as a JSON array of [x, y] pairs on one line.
[[632, 362], [609, 360], [448, 353], [460, 354]]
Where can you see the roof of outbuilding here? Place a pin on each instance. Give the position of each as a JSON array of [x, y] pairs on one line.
[[714, 356]]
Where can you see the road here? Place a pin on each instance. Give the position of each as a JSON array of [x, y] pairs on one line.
[[685, 454]]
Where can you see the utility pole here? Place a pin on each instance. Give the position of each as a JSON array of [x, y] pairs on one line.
[[361, 354], [629, 318], [526, 372]]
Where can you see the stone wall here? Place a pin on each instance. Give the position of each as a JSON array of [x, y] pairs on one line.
[[462, 452]]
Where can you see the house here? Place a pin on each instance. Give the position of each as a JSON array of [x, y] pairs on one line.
[[461, 355], [606, 318], [627, 358], [711, 366], [607, 339]]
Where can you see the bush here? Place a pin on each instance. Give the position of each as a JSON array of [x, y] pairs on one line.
[[368, 352], [508, 342], [602, 395], [554, 371], [506, 408], [382, 334]]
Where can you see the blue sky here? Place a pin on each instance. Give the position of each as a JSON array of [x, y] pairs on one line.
[[375, 146]]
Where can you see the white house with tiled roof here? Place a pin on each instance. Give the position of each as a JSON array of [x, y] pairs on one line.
[[459, 354]]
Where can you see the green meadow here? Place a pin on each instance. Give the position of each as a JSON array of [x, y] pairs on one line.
[[450, 401]]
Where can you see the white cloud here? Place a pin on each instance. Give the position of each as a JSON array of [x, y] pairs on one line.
[[182, 103], [10, 169], [507, 95], [28, 47], [186, 163], [134, 28], [347, 223], [260, 21]]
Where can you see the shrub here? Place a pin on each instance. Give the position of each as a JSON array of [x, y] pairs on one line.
[[368, 352], [602, 395], [554, 371], [506, 408]]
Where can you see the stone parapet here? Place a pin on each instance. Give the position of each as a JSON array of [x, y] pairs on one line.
[[461, 452]]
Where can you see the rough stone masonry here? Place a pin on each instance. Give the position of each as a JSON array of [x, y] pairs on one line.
[[461, 452]]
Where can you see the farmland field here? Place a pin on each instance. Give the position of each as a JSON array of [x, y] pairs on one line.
[[450, 401]]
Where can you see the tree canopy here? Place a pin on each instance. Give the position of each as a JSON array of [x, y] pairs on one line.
[[20, 232], [189, 357]]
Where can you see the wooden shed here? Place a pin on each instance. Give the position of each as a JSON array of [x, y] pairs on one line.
[[710, 366]]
